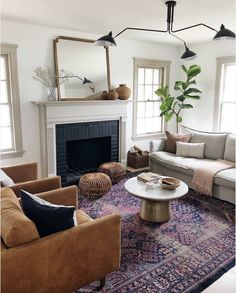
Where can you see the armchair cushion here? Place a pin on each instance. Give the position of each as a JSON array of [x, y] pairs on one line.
[[5, 179], [48, 218], [16, 228]]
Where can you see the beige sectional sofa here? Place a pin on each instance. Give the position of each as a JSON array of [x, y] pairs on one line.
[[217, 146]]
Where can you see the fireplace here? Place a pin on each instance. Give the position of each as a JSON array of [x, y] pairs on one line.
[[82, 147]]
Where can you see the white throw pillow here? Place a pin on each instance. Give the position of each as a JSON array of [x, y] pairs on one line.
[[5, 179], [192, 150]]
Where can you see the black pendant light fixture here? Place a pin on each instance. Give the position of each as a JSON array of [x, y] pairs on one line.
[[223, 33]]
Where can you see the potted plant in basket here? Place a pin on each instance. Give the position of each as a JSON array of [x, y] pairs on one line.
[[173, 106]]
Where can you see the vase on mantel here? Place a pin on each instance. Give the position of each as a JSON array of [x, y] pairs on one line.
[[112, 95], [123, 91], [51, 94]]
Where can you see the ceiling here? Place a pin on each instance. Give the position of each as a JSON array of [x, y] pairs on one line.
[[101, 16]]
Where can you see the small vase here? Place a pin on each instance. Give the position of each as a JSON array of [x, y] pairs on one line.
[[124, 92], [51, 94], [104, 95], [112, 95]]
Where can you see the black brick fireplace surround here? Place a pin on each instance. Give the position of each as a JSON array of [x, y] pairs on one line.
[[82, 147]]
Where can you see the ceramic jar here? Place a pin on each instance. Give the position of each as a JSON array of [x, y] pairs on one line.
[[112, 95], [124, 92]]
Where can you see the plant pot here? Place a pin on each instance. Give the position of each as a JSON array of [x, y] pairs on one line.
[[112, 95], [124, 92]]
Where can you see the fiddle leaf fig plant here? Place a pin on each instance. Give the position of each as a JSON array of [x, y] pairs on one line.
[[173, 106]]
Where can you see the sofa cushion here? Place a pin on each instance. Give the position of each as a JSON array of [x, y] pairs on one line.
[[229, 153], [16, 227], [226, 178], [172, 138], [214, 142], [192, 150], [82, 217], [48, 218], [5, 179]]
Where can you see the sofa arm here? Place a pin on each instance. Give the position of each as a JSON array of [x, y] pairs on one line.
[[67, 196], [157, 145], [22, 172], [37, 186], [84, 253]]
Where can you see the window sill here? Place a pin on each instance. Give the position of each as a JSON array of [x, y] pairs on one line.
[[148, 136], [13, 154]]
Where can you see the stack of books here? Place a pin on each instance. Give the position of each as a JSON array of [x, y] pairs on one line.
[[149, 177]]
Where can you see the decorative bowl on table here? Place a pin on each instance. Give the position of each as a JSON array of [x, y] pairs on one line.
[[169, 182]]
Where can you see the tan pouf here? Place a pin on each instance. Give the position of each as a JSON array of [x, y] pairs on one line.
[[114, 170], [94, 184]]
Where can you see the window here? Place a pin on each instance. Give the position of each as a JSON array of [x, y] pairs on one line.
[[10, 123], [149, 75], [225, 102]]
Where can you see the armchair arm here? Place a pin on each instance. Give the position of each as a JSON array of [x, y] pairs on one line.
[[22, 172], [37, 186], [64, 196], [157, 145], [86, 253]]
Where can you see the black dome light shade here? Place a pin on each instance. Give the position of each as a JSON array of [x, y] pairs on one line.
[[106, 41], [188, 54], [224, 33]]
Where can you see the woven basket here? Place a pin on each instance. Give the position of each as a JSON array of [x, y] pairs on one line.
[[136, 161], [114, 170], [94, 184]]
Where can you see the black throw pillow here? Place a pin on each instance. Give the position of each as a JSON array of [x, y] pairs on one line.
[[48, 218]]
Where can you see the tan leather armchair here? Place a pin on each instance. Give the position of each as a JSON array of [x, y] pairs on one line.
[[25, 176], [64, 261]]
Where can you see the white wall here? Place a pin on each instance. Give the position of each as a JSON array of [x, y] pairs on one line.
[[36, 49], [201, 117]]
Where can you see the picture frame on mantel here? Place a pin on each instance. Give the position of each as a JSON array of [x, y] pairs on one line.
[[79, 56]]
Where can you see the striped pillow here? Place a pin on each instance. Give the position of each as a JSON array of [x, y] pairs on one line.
[[192, 150]]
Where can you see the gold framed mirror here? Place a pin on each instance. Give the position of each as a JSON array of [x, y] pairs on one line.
[[82, 70]]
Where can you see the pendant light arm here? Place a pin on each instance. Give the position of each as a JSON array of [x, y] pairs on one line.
[[192, 26], [178, 38], [140, 29]]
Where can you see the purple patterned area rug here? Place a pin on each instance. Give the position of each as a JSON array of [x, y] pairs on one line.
[[185, 254]]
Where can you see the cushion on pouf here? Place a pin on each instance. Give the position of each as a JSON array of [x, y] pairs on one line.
[[94, 184], [114, 170], [16, 228]]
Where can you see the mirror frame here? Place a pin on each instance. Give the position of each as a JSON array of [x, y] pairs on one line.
[[56, 65]]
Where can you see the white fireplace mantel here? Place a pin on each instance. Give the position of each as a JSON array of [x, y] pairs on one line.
[[61, 112]]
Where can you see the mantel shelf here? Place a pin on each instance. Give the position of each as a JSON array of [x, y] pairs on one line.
[[84, 102]]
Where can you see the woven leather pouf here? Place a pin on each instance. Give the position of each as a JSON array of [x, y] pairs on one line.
[[114, 170], [94, 184]]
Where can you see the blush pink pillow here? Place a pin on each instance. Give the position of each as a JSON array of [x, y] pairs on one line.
[[171, 138]]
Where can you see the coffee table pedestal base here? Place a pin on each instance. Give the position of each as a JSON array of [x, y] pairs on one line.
[[155, 211]]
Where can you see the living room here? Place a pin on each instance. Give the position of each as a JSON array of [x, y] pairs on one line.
[[61, 121]]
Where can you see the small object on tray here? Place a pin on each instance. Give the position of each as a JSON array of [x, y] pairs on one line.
[[169, 183], [150, 185], [149, 177]]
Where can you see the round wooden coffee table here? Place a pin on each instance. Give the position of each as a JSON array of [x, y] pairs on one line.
[[155, 206]]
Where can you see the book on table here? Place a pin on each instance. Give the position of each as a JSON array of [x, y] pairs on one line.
[[149, 177]]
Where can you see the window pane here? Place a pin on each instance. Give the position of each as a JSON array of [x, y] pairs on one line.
[[140, 126], [141, 76], [3, 92], [156, 76], [5, 138], [229, 93], [148, 92], [148, 76], [228, 117], [140, 92], [141, 110], [149, 110], [156, 108], [5, 116], [3, 67]]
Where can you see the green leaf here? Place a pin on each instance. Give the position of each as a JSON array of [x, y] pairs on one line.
[[174, 104], [186, 106], [193, 70], [169, 115], [192, 90], [191, 97], [181, 98], [184, 69], [162, 92], [179, 119], [179, 85]]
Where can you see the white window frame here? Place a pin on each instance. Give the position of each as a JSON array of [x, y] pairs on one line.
[[148, 63], [14, 102], [220, 62]]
